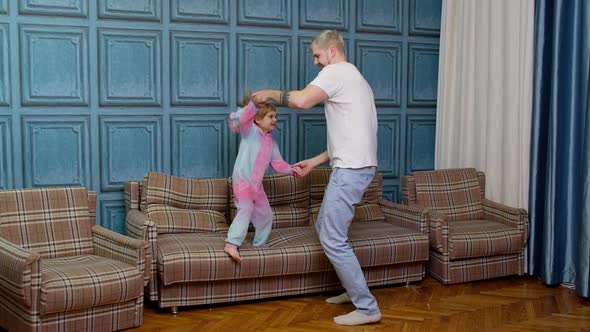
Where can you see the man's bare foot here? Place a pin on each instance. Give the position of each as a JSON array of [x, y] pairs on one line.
[[232, 251]]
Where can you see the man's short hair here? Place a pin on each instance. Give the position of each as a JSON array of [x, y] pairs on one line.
[[329, 38]]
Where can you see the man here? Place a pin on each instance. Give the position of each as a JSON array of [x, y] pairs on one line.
[[351, 121]]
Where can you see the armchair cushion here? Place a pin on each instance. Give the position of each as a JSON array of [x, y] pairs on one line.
[[171, 219], [453, 192], [71, 283], [480, 238]]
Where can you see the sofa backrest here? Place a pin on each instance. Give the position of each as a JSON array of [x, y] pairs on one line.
[[177, 204], [53, 222], [367, 209], [288, 197]]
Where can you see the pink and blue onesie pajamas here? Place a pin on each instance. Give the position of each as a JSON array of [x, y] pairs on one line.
[[257, 151]]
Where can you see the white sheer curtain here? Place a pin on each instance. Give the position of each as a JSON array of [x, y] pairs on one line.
[[485, 93]]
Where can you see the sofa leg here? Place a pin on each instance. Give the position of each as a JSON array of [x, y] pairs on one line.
[[174, 310]]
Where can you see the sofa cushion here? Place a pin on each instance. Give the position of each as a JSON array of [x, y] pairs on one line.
[[174, 220], [288, 216], [364, 211], [453, 192], [72, 283], [288, 197], [321, 176], [184, 193], [479, 238], [295, 250]]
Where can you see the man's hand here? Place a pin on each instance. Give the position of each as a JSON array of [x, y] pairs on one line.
[[296, 170], [263, 96], [308, 164], [304, 166]]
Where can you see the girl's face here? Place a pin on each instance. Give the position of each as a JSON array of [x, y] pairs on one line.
[[269, 122]]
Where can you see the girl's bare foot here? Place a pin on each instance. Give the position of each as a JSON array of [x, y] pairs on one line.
[[232, 251]]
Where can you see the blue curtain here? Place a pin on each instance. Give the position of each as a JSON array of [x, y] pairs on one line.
[[559, 245]]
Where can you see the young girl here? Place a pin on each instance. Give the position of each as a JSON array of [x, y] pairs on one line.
[[257, 150]]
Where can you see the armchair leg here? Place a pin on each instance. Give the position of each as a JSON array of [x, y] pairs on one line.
[[174, 310]]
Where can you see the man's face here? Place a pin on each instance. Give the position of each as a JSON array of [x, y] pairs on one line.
[[321, 56]]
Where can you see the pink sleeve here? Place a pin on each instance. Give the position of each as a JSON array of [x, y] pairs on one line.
[[277, 163], [242, 120]]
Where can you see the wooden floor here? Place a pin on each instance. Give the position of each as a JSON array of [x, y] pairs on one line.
[[509, 304]]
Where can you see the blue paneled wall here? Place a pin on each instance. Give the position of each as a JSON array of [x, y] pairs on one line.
[[97, 92]]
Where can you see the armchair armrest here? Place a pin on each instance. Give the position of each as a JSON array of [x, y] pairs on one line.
[[439, 231], [122, 248], [406, 216], [514, 217], [19, 269]]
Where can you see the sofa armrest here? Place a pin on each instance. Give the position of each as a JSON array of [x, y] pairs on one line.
[[19, 269], [514, 217], [122, 248], [132, 191], [439, 231], [406, 216], [139, 226]]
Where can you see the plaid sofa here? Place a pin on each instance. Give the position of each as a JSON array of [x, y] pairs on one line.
[[186, 222], [59, 271], [471, 237]]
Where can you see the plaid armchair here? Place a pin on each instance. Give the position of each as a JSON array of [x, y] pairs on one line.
[[59, 271], [471, 237]]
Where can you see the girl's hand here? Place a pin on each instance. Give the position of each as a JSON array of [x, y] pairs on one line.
[[296, 170]]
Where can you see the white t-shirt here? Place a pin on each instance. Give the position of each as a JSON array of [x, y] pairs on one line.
[[351, 116]]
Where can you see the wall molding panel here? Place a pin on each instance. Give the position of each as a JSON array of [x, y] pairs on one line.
[[77, 8], [200, 68], [111, 214], [264, 61], [130, 147], [420, 142], [265, 13], [312, 135], [130, 67], [6, 175], [379, 16], [149, 10], [95, 93], [381, 65], [4, 60], [325, 14], [56, 151], [388, 138], [425, 17], [423, 74], [54, 65], [200, 146], [211, 11]]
